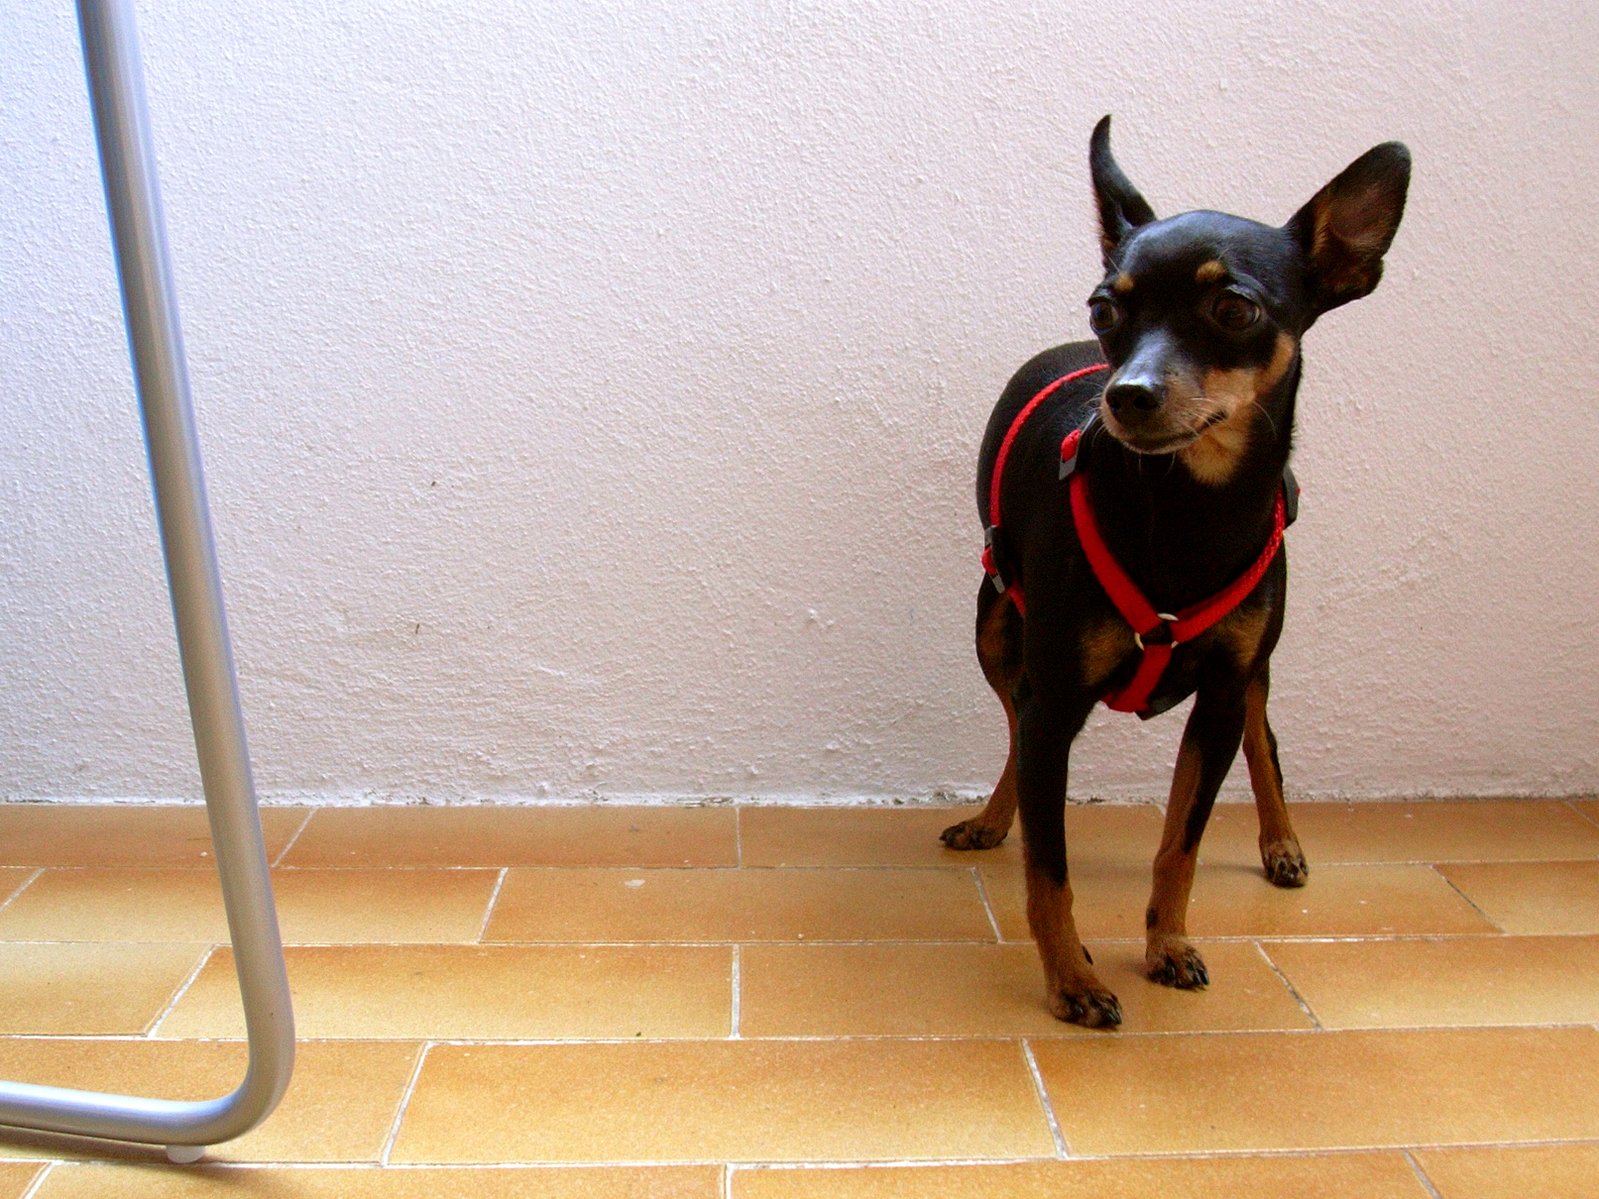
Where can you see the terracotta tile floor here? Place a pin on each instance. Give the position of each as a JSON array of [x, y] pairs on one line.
[[780, 1003]]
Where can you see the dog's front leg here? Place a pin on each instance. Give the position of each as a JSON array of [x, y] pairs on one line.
[[1210, 743], [1279, 848], [1046, 727]]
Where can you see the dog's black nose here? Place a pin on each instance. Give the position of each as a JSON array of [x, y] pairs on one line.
[[1133, 399]]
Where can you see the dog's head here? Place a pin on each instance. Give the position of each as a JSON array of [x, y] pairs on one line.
[[1200, 315]]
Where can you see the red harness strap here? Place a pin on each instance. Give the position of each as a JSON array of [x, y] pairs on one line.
[[1156, 633], [992, 539]]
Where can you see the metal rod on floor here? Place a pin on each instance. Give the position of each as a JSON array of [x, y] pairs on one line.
[[116, 91]]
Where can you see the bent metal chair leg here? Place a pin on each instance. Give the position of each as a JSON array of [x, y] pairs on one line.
[[116, 91]]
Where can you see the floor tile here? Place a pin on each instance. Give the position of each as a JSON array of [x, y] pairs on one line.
[[1314, 1091], [1424, 831], [90, 989], [1342, 1176], [908, 836], [1460, 981], [1541, 1172], [725, 1101], [988, 990], [127, 1181], [314, 906], [123, 834], [1532, 897], [1229, 901], [738, 905], [16, 1178], [461, 992], [340, 1105], [518, 836]]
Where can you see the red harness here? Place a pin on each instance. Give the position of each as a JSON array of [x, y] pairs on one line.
[[1157, 634]]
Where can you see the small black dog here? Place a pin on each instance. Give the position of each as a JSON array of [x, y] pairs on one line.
[[1135, 492]]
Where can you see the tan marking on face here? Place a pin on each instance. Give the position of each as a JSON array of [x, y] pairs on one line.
[[1210, 272], [1124, 283], [1213, 458], [1235, 394], [1281, 359]]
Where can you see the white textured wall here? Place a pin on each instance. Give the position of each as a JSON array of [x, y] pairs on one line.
[[590, 392]]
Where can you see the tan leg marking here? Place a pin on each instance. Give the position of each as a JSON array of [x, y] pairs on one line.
[[1074, 992], [1168, 957], [1280, 853], [999, 654]]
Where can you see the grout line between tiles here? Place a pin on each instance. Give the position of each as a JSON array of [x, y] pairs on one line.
[[988, 906], [1185, 1155], [738, 838], [799, 941], [1062, 1150], [890, 1165], [494, 898], [1450, 883], [154, 1031], [1572, 804], [21, 887], [738, 996], [405, 1102], [293, 837], [796, 941], [1260, 948], [1421, 1175], [1067, 1036], [32, 1188], [752, 1166]]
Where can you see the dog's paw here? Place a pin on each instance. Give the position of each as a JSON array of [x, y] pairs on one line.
[[972, 834], [1285, 863], [1176, 963], [1091, 1006]]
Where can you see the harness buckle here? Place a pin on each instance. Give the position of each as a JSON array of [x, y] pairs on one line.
[[994, 558], [1161, 634], [1290, 497], [1072, 446]]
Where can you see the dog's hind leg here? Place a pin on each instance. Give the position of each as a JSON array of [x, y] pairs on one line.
[[1279, 848], [999, 652]]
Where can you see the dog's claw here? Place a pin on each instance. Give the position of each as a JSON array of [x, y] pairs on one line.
[[1091, 1009], [969, 834], [1179, 966], [1285, 864]]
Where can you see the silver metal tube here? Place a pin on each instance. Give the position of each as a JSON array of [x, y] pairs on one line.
[[116, 90]]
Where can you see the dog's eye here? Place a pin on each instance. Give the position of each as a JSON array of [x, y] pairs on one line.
[[1103, 315], [1234, 312]]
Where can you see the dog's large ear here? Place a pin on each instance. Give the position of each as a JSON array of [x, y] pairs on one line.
[[1121, 208], [1349, 224]]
